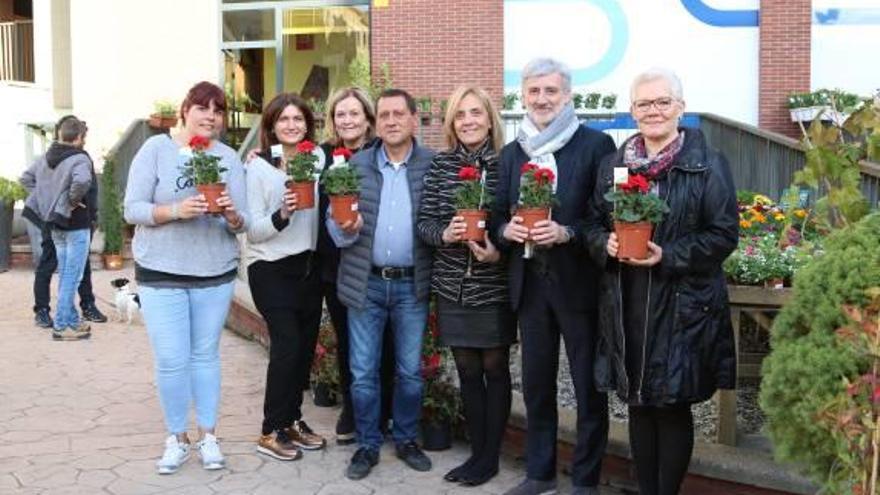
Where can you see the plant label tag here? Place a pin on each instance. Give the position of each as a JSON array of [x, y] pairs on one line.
[[276, 151], [481, 224], [354, 207], [621, 175]]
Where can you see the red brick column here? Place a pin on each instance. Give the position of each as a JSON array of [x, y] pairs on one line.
[[432, 47], [784, 60]]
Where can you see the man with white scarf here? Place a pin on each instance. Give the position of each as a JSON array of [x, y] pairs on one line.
[[554, 290]]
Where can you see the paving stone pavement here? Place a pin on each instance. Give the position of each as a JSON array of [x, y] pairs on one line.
[[83, 418]]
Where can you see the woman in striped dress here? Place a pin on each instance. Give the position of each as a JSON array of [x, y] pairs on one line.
[[470, 283]]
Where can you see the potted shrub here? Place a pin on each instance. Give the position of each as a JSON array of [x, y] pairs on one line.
[[110, 216], [471, 200], [424, 105], [10, 192], [325, 368], [164, 115], [301, 170], [591, 100], [509, 101], [205, 171], [535, 194], [341, 182], [635, 212], [609, 101]]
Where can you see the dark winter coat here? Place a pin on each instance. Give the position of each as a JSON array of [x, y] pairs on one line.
[[689, 346]]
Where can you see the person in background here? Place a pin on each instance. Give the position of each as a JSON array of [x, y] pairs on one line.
[[652, 309], [283, 274], [63, 201], [186, 262], [47, 261]]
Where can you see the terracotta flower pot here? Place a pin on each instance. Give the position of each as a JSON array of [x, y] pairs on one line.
[[112, 261], [212, 193], [633, 239], [344, 208], [155, 121], [476, 224], [774, 283], [169, 122], [305, 194], [531, 216]]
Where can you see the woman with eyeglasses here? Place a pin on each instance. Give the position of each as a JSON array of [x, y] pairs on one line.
[[283, 274], [666, 340]]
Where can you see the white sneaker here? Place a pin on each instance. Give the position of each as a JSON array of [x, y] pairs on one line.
[[176, 453], [209, 451]]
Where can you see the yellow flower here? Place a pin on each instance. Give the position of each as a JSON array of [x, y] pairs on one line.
[[760, 199], [779, 217], [745, 224], [800, 213]]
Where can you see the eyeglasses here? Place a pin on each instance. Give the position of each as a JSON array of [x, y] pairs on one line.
[[661, 104]]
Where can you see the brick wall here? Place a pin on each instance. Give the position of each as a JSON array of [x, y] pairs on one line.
[[431, 49], [784, 60]]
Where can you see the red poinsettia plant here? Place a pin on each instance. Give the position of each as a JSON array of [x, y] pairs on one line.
[[471, 192], [440, 398], [341, 179], [634, 202], [536, 186], [202, 168], [301, 168]]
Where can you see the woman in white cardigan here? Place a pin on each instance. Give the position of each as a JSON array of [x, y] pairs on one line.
[[283, 274]]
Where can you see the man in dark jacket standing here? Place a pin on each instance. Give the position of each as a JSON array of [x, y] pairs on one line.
[[60, 183], [48, 260], [384, 274], [554, 290]]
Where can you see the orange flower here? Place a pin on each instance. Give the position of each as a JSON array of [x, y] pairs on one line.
[[745, 224], [758, 217]]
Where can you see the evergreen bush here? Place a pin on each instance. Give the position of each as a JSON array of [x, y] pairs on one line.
[[110, 212], [804, 371]]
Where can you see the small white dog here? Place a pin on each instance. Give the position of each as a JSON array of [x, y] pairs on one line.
[[127, 302]]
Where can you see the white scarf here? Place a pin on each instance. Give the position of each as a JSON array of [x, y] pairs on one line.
[[540, 145]]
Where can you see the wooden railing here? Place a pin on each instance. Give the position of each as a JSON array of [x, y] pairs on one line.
[[17, 51]]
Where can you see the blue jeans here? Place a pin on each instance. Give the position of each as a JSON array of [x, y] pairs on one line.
[[395, 299], [72, 250], [184, 327]]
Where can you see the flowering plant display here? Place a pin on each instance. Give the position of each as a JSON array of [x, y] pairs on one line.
[[471, 194], [440, 399], [202, 168], [341, 179], [634, 202], [325, 365], [301, 168], [536, 186]]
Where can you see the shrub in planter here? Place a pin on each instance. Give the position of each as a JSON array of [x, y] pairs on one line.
[[803, 372], [10, 192], [325, 368], [110, 216]]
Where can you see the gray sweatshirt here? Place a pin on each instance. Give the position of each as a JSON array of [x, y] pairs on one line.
[[203, 246]]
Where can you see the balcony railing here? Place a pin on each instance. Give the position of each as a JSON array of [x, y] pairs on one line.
[[17, 51]]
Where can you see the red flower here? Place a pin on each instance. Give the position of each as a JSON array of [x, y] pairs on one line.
[[469, 172], [636, 183], [199, 143], [341, 151], [876, 396], [544, 176], [305, 147], [528, 167]]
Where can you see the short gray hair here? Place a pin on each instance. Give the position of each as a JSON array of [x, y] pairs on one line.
[[545, 66], [654, 74]]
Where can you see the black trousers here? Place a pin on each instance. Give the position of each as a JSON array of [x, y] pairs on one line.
[[661, 440], [46, 267], [542, 320], [287, 295], [339, 318]]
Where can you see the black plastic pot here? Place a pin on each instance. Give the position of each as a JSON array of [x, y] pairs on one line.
[[323, 395], [436, 435]]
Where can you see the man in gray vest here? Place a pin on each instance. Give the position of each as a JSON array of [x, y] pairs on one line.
[[385, 273]]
